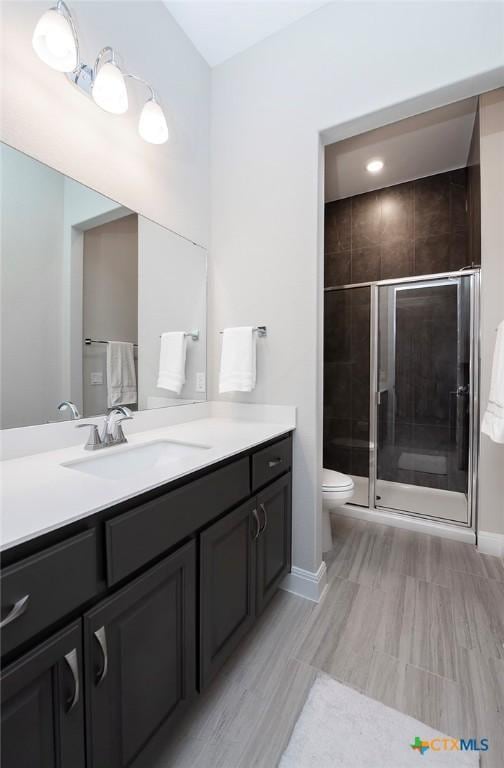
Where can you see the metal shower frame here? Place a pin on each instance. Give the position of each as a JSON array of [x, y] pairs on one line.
[[474, 383]]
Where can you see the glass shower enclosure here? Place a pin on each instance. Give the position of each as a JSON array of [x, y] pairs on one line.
[[409, 369]]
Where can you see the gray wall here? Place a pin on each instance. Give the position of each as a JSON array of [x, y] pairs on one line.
[[491, 485]]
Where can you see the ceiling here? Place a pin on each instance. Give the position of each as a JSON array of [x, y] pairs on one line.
[[422, 145], [220, 30]]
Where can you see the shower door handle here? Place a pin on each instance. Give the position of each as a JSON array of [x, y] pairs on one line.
[[379, 394]]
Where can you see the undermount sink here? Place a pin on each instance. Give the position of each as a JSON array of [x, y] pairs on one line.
[[125, 461]]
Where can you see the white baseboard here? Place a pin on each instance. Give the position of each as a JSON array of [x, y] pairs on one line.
[[491, 543], [419, 524], [309, 584]]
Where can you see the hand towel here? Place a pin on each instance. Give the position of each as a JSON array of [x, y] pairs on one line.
[[493, 419], [238, 360], [172, 361], [121, 376]]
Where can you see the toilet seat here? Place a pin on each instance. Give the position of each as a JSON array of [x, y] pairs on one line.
[[336, 482]]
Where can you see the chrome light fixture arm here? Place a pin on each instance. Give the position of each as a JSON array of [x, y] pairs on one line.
[[63, 8], [104, 51], [152, 93]]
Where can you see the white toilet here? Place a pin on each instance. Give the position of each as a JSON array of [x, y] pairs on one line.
[[337, 489]]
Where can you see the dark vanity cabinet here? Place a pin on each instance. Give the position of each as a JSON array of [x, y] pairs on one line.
[[274, 541], [143, 606], [43, 705], [227, 586], [243, 559], [140, 659]]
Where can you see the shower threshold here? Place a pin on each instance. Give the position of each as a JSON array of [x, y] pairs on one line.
[[413, 500]]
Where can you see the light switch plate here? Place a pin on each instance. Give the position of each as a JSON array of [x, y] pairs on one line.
[[200, 382], [97, 377]]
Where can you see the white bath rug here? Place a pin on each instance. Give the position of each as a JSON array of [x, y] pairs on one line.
[[424, 462], [341, 728]]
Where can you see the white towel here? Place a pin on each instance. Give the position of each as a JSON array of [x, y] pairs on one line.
[[493, 420], [238, 360], [121, 376], [172, 361]]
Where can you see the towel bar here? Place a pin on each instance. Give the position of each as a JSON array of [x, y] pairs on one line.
[[193, 334], [261, 331]]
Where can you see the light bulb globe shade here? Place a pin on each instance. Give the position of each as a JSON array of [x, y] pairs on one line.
[[54, 43], [109, 89], [152, 125]]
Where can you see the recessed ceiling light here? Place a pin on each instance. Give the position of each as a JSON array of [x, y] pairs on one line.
[[374, 166]]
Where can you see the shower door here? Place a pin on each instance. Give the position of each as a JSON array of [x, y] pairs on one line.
[[422, 408]]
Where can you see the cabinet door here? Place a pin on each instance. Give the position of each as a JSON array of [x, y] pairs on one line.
[[140, 660], [42, 709], [274, 541], [227, 586]]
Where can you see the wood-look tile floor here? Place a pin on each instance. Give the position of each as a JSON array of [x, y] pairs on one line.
[[414, 621]]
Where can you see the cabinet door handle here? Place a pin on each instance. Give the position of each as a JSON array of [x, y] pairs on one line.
[[16, 611], [263, 509], [73, 665], [258, 524], [101, 639], [274, 462]]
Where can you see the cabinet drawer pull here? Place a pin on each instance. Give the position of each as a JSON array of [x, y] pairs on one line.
[[265, 525], [274, 462], [16, 611], [258, 524], [73, 664], [101, 639]]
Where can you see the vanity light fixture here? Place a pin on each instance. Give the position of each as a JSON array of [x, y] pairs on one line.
[[152, 124], [374, 166], [109, 89], [56, 43], [55, 39]]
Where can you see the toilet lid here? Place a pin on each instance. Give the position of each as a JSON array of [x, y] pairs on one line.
[[332, 480]]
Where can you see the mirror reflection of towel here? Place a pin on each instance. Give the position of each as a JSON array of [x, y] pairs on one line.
[[121, 376], [172, 361]]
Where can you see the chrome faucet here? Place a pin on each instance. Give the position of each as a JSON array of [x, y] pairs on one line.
[[112, 431], [68, 405]]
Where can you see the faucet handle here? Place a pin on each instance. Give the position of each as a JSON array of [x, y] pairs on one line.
[[117, 430], [94, 440]]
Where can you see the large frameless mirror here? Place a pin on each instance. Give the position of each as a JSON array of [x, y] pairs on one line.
[[89, 288]]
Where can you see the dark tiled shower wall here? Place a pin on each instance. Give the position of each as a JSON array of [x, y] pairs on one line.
[[346, 381], [416, 228]]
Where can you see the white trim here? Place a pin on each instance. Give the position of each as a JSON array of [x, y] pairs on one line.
[[419, 524], [309, 584], [491, 543]]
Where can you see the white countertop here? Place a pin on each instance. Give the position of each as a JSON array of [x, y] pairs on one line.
[[40, 495]]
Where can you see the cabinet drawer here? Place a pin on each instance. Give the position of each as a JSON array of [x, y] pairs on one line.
[[43, 588], [271, 462], [138, 536]]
